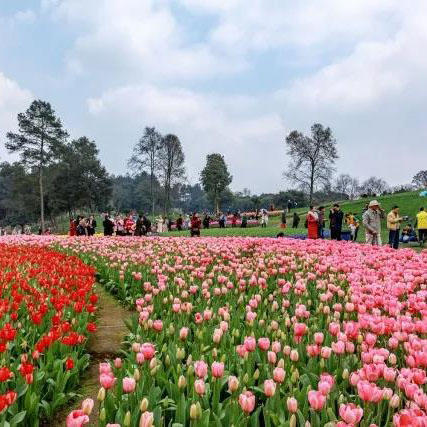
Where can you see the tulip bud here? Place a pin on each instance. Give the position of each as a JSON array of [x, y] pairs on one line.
[[171, 329], [136, 375], [256, 374], [144, 404], [394, 401], [101, 394], [167, 360], [164, 348], [182, 382], [190, 370], [223, 358], [189, 360], [245, 378], [345, 374], [126, 421], [293, 421], [193, 411], [214, 353], [102, 414], [281, 363], [153, 363]]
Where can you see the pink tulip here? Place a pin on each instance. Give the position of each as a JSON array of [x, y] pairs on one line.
[[199, 387], [351, 413], [146, 420], [318, 338], [183, 333], [316, 400], [87, 406], [272, 358], [118, 362], [107, 381], [269, 388], [217, 369], [292, 405], [201, 368], [247, 402], [76, 418], [233, 384], [250, 343], [148, 350], [264, 343], [279, 375], [129, 385]]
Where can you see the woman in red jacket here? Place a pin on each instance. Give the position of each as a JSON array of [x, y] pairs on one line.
[[312, 220], [72, 227]]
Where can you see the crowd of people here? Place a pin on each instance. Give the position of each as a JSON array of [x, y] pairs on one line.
[[320, 224], [372, 216], [119, 225]]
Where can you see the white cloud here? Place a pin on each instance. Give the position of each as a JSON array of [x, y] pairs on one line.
[[13, 100], [25, 16], [133, 37]]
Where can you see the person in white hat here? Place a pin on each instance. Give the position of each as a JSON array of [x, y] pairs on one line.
[[372, 222]]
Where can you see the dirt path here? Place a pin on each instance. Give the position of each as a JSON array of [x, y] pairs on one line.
[[104, 344]]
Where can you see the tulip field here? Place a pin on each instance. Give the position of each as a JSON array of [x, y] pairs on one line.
[[225, 331], [46, 313]]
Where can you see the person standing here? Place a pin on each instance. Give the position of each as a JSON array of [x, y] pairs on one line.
[[91, 226], [264, 218], [179, 223], [295, 220], [283, 219], [108, 225], [147, 225], [393, 226], [312, 220], [139, 226], [195, 225], [290, 205], [372, 223], [321, 225], [72, 227], [244, 221], [336, 216], [421, 224]]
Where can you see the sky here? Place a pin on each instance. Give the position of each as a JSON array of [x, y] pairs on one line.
[[227, 76]]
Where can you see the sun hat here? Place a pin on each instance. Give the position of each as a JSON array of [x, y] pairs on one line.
[[373, 203]]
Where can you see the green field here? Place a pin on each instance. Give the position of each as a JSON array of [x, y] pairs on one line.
[[409, 204]]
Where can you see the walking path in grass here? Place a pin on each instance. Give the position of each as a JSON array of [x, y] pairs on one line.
[[104, 344]]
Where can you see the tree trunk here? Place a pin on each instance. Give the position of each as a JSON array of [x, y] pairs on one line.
[[41, 200], [152, 193], [311, 185]]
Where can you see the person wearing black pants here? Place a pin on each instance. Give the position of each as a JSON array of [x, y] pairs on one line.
[[335, 220], [393, 225]]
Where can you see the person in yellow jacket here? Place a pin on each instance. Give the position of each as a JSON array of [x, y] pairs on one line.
[[421, 224], [393, 225]]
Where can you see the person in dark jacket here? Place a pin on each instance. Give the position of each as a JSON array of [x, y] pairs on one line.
[[108, 225], [295, 220], [179, 223], [336, 216], [91, 226], [139, 226], [147, 224]]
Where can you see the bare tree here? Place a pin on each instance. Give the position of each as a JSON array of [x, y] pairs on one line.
[[420, 179], [171, 166], [342, 184], [313, 158], [145, 157], [354, 188], [374, 185]]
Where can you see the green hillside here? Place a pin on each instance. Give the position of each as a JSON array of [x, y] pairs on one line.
[[409, 204]]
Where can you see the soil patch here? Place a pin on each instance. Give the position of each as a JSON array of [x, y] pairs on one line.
[[104, 344]]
